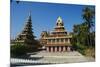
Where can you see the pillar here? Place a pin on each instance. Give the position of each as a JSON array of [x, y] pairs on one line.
[[59, 48], [64, 48], [68, 48], [55, 49], [51, 49], [47, 49]]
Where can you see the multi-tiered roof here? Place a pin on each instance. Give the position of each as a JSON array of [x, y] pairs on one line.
[[26, 36], [59, 30], [58, 37]]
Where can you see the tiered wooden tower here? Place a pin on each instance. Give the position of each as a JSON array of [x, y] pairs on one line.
[[57, 40], [26, 37]]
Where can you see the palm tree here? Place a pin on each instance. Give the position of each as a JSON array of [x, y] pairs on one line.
[[88, 17]]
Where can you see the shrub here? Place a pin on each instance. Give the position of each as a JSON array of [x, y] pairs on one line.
[[18, 50]]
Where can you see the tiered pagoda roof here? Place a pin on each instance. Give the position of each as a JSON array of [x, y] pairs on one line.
[[59, 29], [58, 33], [26, 36]]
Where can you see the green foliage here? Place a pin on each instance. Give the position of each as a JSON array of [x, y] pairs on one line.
[[88, 16], [18, 50], [83, 38]]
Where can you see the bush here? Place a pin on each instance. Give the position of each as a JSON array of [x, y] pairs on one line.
[[18, 50]]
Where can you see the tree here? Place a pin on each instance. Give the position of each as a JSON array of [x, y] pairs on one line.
[[79, 35], [82, 33], [83, 38], [88, 18]]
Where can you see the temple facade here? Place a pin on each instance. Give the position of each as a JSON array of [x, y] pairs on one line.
[[58, 40]]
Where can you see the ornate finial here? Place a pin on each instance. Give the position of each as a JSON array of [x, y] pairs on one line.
[[59, 20]]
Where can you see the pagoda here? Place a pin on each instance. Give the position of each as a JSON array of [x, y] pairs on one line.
[[26, 37], [58, 40]]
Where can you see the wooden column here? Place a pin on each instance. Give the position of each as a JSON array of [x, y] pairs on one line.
[[64, 48], [59, 48], [47, 49], [55, 49], [51, 49], [68, 48]]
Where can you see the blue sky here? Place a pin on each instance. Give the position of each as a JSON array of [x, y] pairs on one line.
[[44, 16]]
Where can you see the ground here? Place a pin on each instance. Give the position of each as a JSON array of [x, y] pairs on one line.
[[62, 57], [43, 58]]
